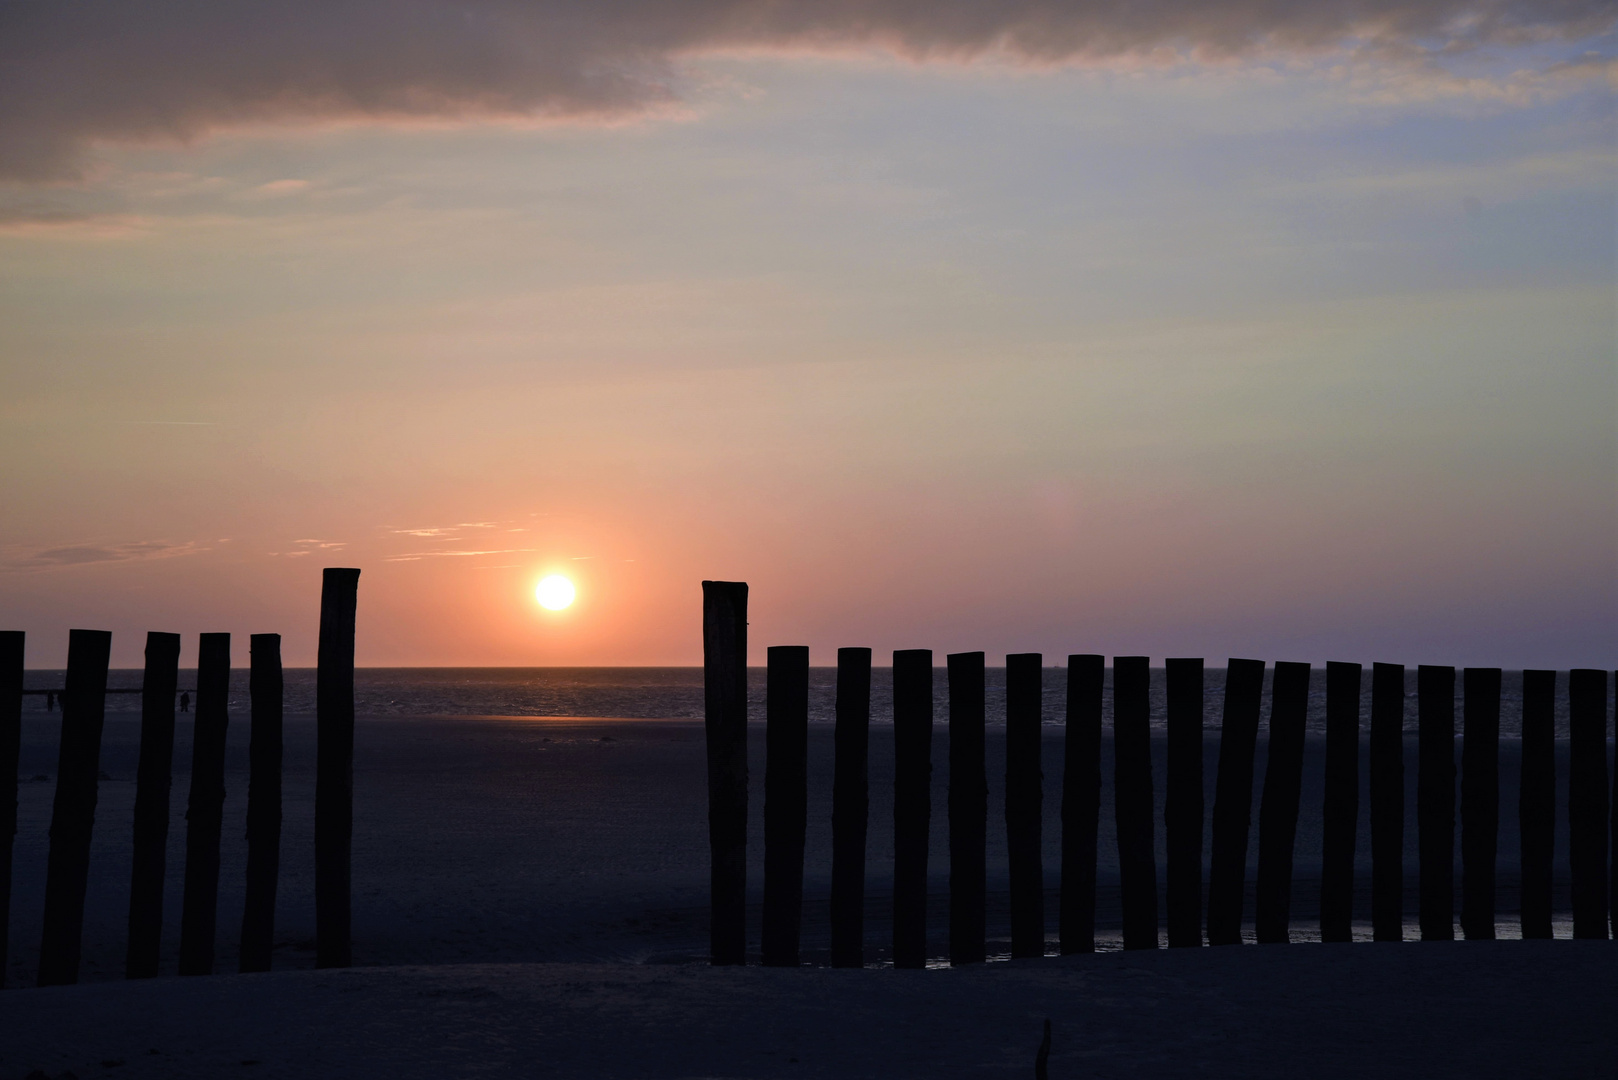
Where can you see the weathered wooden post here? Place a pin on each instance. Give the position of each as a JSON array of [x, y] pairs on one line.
[[11, 668], [1132, 792], [1587, 800], [1341, 810], [1278, 812], [153, 781], [850, 807], [1435, 799], [786, 799], [263, 803], [1025, 797], [1233, 800], [1081, 802], [1182, 802], [1387, 801], [968, 809], [724, 654], [205, 809], [334, 768], [1480, 799], [1536, 801], [912, 802], [78, 766]]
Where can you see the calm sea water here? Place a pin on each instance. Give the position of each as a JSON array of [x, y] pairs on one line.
[[676, 693]]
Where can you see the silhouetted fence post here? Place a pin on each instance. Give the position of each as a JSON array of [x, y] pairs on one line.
[[724, 653], [334, 768], [850, 807], [786, 799], [1435, 799], [1278, 812], [11, 668], [153, 782], [968, 809], [1536, 802], [1480, 799], [1182, 802], [1132, 792], [1587, 800], [1081, 802], [205, 809], [1025, 694], [912, 802], [1341, 810], [1612, 890], [78, 767], [1233, 800], [263, 802], [1387, 802]]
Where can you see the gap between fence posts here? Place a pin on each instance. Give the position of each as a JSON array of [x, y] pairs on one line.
[[1081, 802], [968, 809], [334, 768], [263, 802], [724, 654], [850, 807], [1536, 800], [1387, 789], [205, 808], [1025, 692], [786, 799], [1132, 792], [1480, 799], [1435, 799], [1341, 806], [1182, 802], [154, 779], [1278, 812], [1587, 800], [1233, 800], [11, 668], [912, 802]]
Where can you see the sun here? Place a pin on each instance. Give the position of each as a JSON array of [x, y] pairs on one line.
[[554, 592]]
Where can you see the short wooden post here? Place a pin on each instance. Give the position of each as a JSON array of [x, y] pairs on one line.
[[205, 809], [1387, 801], [1480, 799], [1132, 789], [1081, 801], [786, 799], [263, 803], [912, 802], [1435, 799], [1278, 812], [1587, 800], [153, 782], [1536, 800], [850, 807], [724, 654], [1182, 802], [1233, 800], [78, 766], [968, 809], [1341, 810], [11, 668], [1025, 798], [1612, 890], [334, 768]]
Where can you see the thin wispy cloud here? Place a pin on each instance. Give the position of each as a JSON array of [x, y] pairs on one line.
[[71, 555]]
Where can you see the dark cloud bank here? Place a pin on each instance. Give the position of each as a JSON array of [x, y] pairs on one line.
[[76, 71]]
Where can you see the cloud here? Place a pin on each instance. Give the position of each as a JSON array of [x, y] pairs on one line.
[[77, 72], [84, 554]]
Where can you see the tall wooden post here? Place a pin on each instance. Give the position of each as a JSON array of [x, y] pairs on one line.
[[786, 799], [1587, 800], [912, 802], [1387, 801], [1435, 799], [1132, 788], [850, 807], [1233, 800], [1182, 802], [1025, 781], [1341, 810], [153, 781], [263, 803], [1536, 801], [724, 654], [1278, 812], [334, 768], [968, 809], [78, 766], [11, 668], [1480, 799], [205, 809], [1081, 801]]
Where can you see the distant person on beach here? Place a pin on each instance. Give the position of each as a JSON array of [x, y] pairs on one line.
[[185, 701], [50, 701]]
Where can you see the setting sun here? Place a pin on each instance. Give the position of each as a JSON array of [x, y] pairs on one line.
[[554, 592]]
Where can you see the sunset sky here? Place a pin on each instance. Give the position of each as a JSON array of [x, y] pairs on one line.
[[1184, 328]]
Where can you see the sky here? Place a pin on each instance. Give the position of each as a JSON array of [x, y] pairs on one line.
[[1218, 329]]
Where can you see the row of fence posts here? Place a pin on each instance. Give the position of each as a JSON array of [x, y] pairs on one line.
[[786, 794], [77, 781]]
